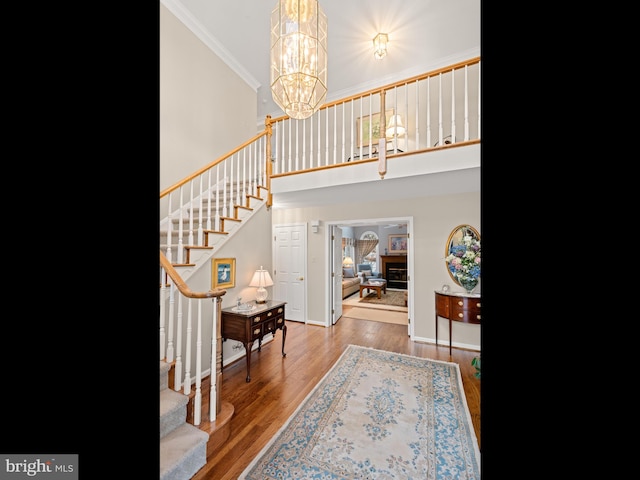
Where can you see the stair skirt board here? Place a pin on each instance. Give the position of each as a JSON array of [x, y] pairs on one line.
[[182, 453]]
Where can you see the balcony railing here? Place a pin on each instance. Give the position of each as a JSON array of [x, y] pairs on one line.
[[437, 109]]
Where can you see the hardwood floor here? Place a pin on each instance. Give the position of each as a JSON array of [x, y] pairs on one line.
[[279, 384]]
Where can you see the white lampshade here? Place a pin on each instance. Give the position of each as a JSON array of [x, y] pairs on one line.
[[347, 261], [395, 127], [261, 279]]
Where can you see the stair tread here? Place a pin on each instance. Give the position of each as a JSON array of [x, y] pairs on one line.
[[171, 400], [183, 452]]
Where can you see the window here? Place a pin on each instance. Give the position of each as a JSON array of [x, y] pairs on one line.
[[372, 257]]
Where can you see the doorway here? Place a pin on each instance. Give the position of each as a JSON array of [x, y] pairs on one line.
[[381, 225]]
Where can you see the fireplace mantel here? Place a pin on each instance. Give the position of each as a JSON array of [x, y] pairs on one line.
[[391, 259]]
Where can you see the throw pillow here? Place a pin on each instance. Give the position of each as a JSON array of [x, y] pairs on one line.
[[348, 273], [367, 273]]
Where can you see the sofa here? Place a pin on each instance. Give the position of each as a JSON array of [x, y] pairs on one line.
[[350, 282]]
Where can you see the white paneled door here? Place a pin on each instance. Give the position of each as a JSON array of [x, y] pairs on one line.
[[289, 276]]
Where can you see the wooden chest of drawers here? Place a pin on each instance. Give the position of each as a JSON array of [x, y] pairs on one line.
[[249, 326], [457, 307]]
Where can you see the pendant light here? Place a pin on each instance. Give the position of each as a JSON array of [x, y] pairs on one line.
[[298, 57]]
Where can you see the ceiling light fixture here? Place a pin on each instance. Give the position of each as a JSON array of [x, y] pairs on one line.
[[380, 45], [298, 57]]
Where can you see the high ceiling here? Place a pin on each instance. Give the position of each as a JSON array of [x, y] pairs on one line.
[[423, 35]]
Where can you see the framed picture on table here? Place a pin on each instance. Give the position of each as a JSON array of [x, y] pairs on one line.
[[398, 244], [223, 273]]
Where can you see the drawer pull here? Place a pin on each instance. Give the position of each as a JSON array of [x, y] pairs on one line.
[[280, 310], [257, 319], [256, 331], [478, 305], [461, 315], [269, 314], [279, 320], [460, 302], [478, 317]]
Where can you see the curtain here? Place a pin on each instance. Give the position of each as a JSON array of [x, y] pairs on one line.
[[364, 248]]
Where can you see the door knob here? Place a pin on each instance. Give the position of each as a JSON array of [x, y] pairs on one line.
[[301, 278]]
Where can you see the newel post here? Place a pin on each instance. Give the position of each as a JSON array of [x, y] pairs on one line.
[[382, 139], [269, 160], [215, 404]]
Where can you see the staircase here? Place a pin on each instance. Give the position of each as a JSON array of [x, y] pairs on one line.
[[197, 252], [183, 447]]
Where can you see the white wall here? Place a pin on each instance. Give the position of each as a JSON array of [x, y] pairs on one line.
[[206, 110]]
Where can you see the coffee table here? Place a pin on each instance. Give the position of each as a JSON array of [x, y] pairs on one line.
[[379, 286]]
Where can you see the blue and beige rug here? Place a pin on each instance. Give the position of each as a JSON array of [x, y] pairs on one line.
[[376, 415]]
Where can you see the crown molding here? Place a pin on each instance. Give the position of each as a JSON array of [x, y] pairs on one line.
[[182, 14]]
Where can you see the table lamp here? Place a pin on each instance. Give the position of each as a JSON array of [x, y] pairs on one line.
[[261, 279]]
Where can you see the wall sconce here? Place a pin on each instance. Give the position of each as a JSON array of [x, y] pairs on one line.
[[314, 225], [380, 45], [261, 279], [298, 57]]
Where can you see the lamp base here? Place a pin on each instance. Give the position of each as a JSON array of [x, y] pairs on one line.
[[261, 295]]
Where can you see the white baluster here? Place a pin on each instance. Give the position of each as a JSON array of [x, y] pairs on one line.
[[191, 213], [453, 106], [200, 219], [170, 336], [197, 400], [178, 366], [213, 394], [163, 293], [180, 230], [187, 363]]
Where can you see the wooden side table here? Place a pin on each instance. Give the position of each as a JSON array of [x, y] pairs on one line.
[[249, 326], [458, 307]]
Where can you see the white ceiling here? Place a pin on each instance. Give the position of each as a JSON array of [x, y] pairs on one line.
[[423, 35]]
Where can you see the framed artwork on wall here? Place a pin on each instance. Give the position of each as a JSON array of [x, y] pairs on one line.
[[362, 139], [398, 244], [223, 273]]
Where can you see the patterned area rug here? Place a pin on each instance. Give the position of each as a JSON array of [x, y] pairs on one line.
[[392, 297], [392, 300], [376, 415]]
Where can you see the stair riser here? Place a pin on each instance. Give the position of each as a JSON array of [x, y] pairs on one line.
[[183, 453], [173, 411]]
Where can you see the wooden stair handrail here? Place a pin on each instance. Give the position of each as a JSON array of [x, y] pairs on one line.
[[184, 289], [212, 164]]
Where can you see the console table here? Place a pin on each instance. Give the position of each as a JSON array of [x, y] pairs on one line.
[[457, 306], [251, 325]]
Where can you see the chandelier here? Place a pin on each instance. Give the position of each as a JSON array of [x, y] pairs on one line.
[[298, 57]]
